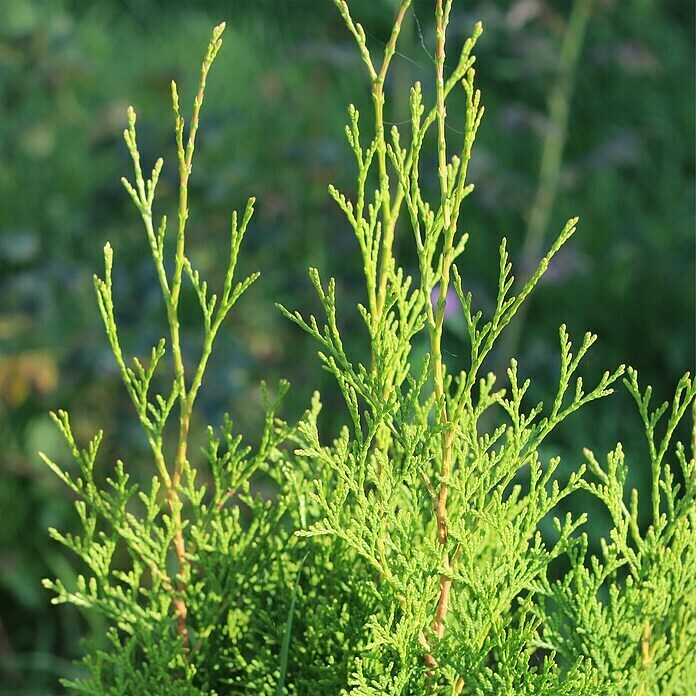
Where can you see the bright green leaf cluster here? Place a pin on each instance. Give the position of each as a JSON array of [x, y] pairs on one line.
[[406, 556]]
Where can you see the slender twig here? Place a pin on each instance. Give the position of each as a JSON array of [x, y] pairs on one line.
[[646, 655], [186, 399], [143, 194], [388, 222], [559, 102], [442, 18]]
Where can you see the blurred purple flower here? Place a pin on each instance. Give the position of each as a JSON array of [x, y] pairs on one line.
[[451, 301]]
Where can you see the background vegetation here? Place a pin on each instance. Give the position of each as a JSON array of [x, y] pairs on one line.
[[273, 128]]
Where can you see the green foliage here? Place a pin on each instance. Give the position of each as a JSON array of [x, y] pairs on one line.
[[646, 578], [406, 555]]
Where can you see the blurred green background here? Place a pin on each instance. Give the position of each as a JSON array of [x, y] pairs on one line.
[[273, 127]]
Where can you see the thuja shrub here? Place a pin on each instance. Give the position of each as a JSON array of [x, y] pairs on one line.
[[404, 556]]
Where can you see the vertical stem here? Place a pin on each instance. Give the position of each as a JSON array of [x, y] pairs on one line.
[[184, 412], [377, 79], [646, 656], [387, 226], [388, 221], [185, 157], [551, 163], [386, 257], [442, 17]]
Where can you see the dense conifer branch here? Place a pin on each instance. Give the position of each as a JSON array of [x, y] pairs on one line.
[[406, 555]]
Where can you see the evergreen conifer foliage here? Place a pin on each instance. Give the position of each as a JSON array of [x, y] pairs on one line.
[[404, 556]]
